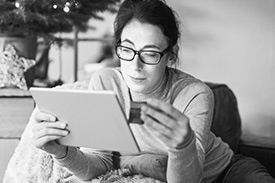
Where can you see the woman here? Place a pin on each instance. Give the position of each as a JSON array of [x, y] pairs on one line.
[[175, 137]]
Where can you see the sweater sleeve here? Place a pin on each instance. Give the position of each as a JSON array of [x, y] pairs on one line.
[[86, 163], [186, 165]]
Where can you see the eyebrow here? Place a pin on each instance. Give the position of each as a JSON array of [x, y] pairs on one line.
[[147, 46]]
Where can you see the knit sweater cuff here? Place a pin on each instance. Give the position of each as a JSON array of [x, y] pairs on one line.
[[186, 160], [186, 154], [69, 159]]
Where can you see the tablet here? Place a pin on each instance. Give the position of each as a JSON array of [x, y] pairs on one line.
[[95, 118]]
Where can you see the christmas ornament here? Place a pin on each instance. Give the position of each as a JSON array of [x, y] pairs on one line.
[[13, 67]]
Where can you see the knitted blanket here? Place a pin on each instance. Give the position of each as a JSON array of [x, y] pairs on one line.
[[32, 165]]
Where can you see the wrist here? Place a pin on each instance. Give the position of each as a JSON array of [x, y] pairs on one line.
[[62, 152], [188, 140]]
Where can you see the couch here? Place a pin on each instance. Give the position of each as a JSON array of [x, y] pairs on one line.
[[30, 164], [227, 125]]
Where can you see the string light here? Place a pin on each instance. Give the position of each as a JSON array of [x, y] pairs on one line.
[[68, 6], [77, 5], [17, 5], [55, 6], [66, 9]]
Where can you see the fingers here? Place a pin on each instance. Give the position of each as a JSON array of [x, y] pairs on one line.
[[163, 125], [42, 142], [40, 116], [49, 125], [166, 122], [175, 137], [158, 128], [45, 132], [162, 106], [163, 113], [167, 135]]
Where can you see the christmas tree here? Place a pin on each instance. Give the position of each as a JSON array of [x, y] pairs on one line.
[[46, 17]]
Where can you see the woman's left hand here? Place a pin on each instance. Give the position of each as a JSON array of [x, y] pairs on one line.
[[167, 123]]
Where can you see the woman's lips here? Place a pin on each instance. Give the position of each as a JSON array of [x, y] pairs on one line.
[[137, 79]]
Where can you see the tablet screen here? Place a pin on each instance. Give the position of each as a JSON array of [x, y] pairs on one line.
[[95, 118]]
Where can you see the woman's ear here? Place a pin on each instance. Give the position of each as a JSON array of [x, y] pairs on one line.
[[173, 55]]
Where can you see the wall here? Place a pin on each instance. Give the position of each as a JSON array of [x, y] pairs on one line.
[[224, 41], [233, 42]]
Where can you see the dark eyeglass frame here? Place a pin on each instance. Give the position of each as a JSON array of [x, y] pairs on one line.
[[139, 52]]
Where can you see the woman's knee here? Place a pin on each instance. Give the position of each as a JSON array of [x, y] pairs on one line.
[[247, 170]]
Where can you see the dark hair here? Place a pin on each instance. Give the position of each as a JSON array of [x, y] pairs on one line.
[[155, 12]]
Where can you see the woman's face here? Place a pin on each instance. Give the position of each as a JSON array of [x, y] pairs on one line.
[[140, 77]]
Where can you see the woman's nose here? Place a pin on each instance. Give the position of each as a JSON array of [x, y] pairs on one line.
[[136, 63]]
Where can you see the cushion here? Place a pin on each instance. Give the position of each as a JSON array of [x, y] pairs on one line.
[[226, 119]]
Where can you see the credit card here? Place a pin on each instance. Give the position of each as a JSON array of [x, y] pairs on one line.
[[135, 112]]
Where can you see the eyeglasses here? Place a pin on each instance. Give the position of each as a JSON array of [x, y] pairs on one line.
[[146, 57]]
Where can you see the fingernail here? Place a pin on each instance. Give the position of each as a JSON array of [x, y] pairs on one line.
[[65, 132], [62, 125], [52, 118]]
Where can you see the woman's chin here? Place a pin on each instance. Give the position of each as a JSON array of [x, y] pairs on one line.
[[137, 89]]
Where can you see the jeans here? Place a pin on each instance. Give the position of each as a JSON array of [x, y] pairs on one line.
[[241, 169], [244, 169]]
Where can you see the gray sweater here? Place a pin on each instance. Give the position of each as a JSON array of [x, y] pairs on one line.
[[201, 161]]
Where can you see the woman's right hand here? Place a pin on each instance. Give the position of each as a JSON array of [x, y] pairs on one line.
[[46, 129]]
